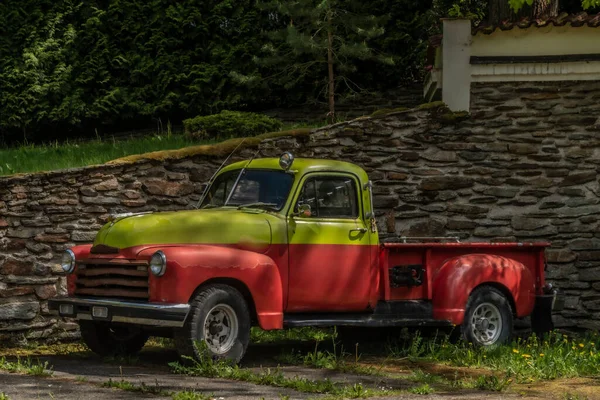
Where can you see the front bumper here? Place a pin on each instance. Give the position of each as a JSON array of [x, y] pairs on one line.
[[127, 312]]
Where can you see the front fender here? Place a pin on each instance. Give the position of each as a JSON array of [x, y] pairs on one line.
[[188, 267], [81, 251], [456, 279]]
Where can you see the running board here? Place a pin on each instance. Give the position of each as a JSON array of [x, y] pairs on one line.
[[364, 320]]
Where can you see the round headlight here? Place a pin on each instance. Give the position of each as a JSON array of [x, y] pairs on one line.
[[68, 261], [286, 160], [158, 263]]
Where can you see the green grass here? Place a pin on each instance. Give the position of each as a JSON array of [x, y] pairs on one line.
[[423, 389], [55, 156], [190, 395], [209, 368], [26, 366], [131, 387], [307, 334], [33, 158], [3, 396], [525, 360]]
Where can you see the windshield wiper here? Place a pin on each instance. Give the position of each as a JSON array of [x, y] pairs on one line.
[[258, 204], [210, 206]]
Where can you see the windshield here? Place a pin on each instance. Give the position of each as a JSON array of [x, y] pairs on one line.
[[258, 188]]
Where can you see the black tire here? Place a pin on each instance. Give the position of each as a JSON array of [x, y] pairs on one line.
[[224, 299], [487, 308], [106, 340]]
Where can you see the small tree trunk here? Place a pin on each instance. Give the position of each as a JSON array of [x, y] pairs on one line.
[[331, 85], [544, 9], [499, 11]]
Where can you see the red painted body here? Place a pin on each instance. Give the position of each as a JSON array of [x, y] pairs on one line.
[[330, 278]]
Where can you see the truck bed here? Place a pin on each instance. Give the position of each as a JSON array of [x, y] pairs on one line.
[[400, 261]]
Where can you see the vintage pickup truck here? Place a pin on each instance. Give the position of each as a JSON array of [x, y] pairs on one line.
[[286, 243]]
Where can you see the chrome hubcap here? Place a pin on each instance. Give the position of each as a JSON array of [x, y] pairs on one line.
[[486, 323], [220, 329]]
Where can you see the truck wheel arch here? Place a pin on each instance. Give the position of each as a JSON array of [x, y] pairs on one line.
[[458, 277], [236, 284], [504, 290]]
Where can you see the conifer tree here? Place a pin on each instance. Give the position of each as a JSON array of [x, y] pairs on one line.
[[321, 38]]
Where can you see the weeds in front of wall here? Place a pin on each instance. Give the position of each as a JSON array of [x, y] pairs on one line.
[[26, 366], [3, 396]]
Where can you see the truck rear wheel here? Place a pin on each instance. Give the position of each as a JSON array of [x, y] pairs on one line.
[[488, 318], [219, 321], [106, 340]]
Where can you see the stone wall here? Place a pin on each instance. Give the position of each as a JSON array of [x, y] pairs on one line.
[[522, 167], [43, 214]]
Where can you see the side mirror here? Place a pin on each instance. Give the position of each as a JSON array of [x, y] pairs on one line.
[[303, 211]]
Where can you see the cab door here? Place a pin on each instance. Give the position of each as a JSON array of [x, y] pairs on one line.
[[329, 246]]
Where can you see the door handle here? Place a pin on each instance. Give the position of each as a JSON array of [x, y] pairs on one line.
[[361, 230]]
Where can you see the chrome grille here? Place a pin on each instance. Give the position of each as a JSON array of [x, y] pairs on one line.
[[116, 278]]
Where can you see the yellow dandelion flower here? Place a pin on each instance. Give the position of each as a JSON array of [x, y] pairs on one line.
[[515, 351], [525, 356], [541, 354], [581, 345]]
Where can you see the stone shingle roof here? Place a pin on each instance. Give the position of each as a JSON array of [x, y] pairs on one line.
[[574, 20]]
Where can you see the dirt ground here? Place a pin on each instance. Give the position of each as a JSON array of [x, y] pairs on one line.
[[80, 375]]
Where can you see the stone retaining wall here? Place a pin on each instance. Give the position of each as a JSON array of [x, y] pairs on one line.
[[522, 167], [43, 214]]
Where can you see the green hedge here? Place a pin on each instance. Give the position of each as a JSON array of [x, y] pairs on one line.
[[230, 124]]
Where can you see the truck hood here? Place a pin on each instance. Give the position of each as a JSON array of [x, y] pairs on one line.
[[247, 229]]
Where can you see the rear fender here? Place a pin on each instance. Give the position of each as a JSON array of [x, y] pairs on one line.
[[456, 279], [188, 267]]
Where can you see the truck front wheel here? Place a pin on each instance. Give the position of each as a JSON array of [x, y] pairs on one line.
[[106, 340], [488, 317], [219, 321]]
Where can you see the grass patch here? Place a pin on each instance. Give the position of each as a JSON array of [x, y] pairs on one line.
[[34, 158], [36, 349], [492, 383], [209, 368], [525, 360], [423, 389], [26, 366], [334, 360], [131, 387], [190, 395], [308, 334], [3, 396]]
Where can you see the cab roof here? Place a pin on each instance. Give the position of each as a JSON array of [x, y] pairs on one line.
[[302, 166]]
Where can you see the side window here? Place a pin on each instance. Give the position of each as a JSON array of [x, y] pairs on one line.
[[330, 197]]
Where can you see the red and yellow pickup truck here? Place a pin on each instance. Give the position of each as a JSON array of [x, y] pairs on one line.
[[286, 243]]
